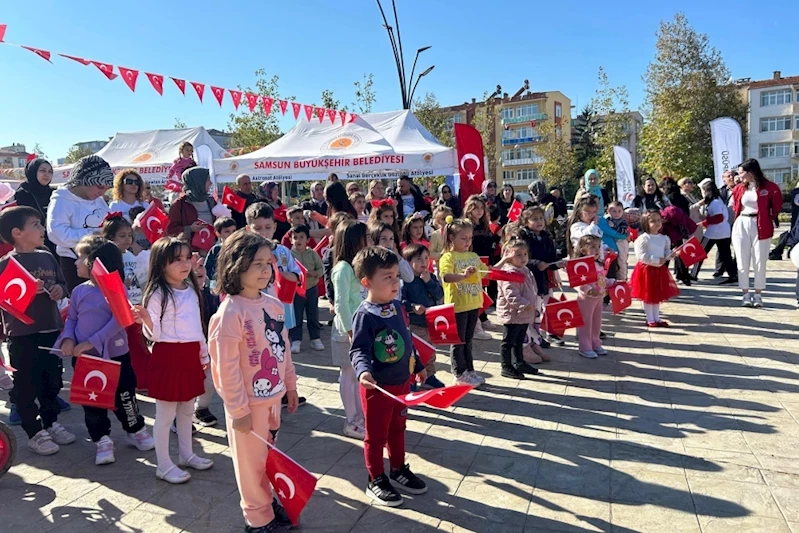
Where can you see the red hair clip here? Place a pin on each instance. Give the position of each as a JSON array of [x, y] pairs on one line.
[[113, 215], [380, 203]]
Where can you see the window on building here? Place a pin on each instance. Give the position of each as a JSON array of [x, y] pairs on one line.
[[775, 150], [457, 118], [507, 175], [558, 110], [778, 97], [797, 118], [508, 113], [524, 132], [778, 175], [526, 174], [796, 149], [526, 110], [508, 134], [775, 124]]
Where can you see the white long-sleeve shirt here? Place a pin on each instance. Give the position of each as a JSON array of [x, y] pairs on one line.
[[182, 321], [650, 249]]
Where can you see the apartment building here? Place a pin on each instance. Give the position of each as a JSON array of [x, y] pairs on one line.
[[515, 132], [14, 156], [773, 121]]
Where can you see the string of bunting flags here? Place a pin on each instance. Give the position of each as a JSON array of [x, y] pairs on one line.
[[130, 77]]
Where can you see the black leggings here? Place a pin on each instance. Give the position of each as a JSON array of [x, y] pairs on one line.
[[461, 354], [38, 377], [724, 256], [512, 341]]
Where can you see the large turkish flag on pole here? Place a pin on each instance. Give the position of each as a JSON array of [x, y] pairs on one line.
[[293, 484], [469, 145]]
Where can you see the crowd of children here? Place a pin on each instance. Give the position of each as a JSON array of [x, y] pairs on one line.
[[217, 326]]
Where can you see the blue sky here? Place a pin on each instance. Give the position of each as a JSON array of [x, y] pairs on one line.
[[319, 44]]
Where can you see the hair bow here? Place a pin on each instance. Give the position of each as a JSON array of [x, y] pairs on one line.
[[113, 215], [380, 203]]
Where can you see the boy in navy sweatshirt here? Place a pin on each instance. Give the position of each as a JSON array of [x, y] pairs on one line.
[[424, 291], [382, 354]]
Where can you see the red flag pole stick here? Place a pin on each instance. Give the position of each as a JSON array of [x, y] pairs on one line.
[[384, 391]]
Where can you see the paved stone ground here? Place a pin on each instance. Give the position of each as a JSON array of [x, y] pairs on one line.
[[686, 429]]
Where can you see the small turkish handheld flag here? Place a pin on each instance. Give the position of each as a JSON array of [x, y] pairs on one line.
[[563, 315], [425, 350], [281, 213], [441, 324], [441, 398], [154, 223], [487, 301], [303, 278], [620, 297], [174, 186], [286, 289], [233, 200], [204, 238], [515, 210], [94, 382], [692, 252], [497, 274], [293, 483], [113, 289], [581, 271], [323, 245], [633, 233], [17, 290]]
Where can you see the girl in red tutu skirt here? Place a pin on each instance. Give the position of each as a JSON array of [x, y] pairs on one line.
[[651, 281], [172, 318]]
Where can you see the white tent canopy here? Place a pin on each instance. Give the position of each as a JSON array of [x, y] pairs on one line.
[[151, 153], [375, 145]]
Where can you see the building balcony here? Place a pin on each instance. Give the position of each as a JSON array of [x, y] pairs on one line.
[[522, 140], [525, 118], [523, 161]]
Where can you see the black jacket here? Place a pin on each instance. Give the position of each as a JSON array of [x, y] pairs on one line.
[[239, 218], [418, 204], [541, 249]]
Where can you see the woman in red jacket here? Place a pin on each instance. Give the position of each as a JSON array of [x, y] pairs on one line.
[[193, 206], [756, 202]]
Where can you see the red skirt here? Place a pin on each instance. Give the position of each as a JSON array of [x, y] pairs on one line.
[[176, 374], [139, 356], [653, 284]]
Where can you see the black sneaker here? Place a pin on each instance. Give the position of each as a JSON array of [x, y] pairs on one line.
[[729, 281], [204, 417], [174, 428], [557, 341], [526, 368], [717, 274], [281, 515], [271, 527], [545, 343], [382, 493], [285, 401], [512, 373], [408, 481], [602, 335]]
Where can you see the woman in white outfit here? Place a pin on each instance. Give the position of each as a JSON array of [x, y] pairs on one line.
[[756, 202]]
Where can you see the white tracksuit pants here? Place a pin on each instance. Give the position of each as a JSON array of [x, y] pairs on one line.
[[749, 250]]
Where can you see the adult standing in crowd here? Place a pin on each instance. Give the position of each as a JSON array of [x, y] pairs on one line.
[[776, 253], [489, 193], [78, 209], [650, 197], [332, 177], [337, 200], [725, 193], [318, 202], [673, 192], [35, 191], [147, 194], [271, 191], [717, 231], [506, 198], [128, 192], [409, 199], [756, 202], [447, 199], [591, 186], [244, 190], [193, 206], [375, 191], [561, 209]]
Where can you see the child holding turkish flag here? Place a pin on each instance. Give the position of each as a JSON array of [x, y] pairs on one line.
[[91, 329], [382, 354], [589, 298], [651, 281]]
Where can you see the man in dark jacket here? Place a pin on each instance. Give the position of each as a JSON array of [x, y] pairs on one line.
[[409, 199], [776, 253], [243, 189]]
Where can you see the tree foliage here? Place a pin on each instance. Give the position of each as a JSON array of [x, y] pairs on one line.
[[364, 94], [179, 124], [254, 130], [428, 111], [329, 102], [585, 148], [37, 149], [485, 120], [558, 162], [687, 86], [612, 107], [75, 153]]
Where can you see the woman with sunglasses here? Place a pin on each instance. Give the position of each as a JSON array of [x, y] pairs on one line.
[[147, 196], [447, 199], [128, 192]]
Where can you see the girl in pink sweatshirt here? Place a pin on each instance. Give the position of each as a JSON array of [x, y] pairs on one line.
[[252, 369]]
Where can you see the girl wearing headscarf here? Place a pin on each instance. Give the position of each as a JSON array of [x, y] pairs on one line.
[[193, 206], [35, 192], [591, 186], [448, 199], [490, 192], [78, 209], [506, 198]]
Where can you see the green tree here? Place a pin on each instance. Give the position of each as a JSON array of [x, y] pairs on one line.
[[179, 124], [558, 159], [37, 149], [687, 86], [485, 120], [585, 148], [611, 105], [364, 94], [254, 130], [329, 102], [428, 111], [75, 153]]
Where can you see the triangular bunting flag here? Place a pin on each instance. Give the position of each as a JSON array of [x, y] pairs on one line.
[[308, 111], [252, 101], [199, 88], [283, 106], [78, 59], [219, 94], [105, 68], [2, 31], [296, 108], [268, 101], [236, 97], [129, 76], [343, 115], [44, 54], [352, 117], [332, 114], [320, 114], [157, 81], [181, 85]]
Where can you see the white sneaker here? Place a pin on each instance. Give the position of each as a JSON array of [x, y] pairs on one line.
[[464, 379], [354, 431], [42, 444], [747, 300], [316, 344], [174, 475], [60, 435], [481, 334], [601, 351], [590, 354], [141, 440], [105, 451], [196, 462], [295, 347], [758, 301], [475, 379]]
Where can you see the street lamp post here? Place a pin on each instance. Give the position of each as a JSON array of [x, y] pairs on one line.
[[407, 86]]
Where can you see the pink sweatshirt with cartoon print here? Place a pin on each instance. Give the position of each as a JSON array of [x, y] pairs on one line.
[[250, 354]]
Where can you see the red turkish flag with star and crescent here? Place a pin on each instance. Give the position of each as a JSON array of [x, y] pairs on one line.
[[154, 223], [204, 238], [285, 289], [323, 245], [469, 145], [106, 68], [199, 88], [94, 382], [173, 185], [233, 200], [497, 274], [17, 290], [44, 54], [692, 252], [129, 76], [620, 297], [303, 279], [308, 111], [515, 210], [425, 350], [440, 398], [113, 289], [296, 107], [268, 101], [77, 59], [561, 316], [236, 97], [284, 104], [181, 85], [157, 81], [219, 94], [441, 324], [292, 483], [581, 271], [252, 101]]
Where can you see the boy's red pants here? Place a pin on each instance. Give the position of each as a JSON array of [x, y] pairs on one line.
[[385, 427]]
